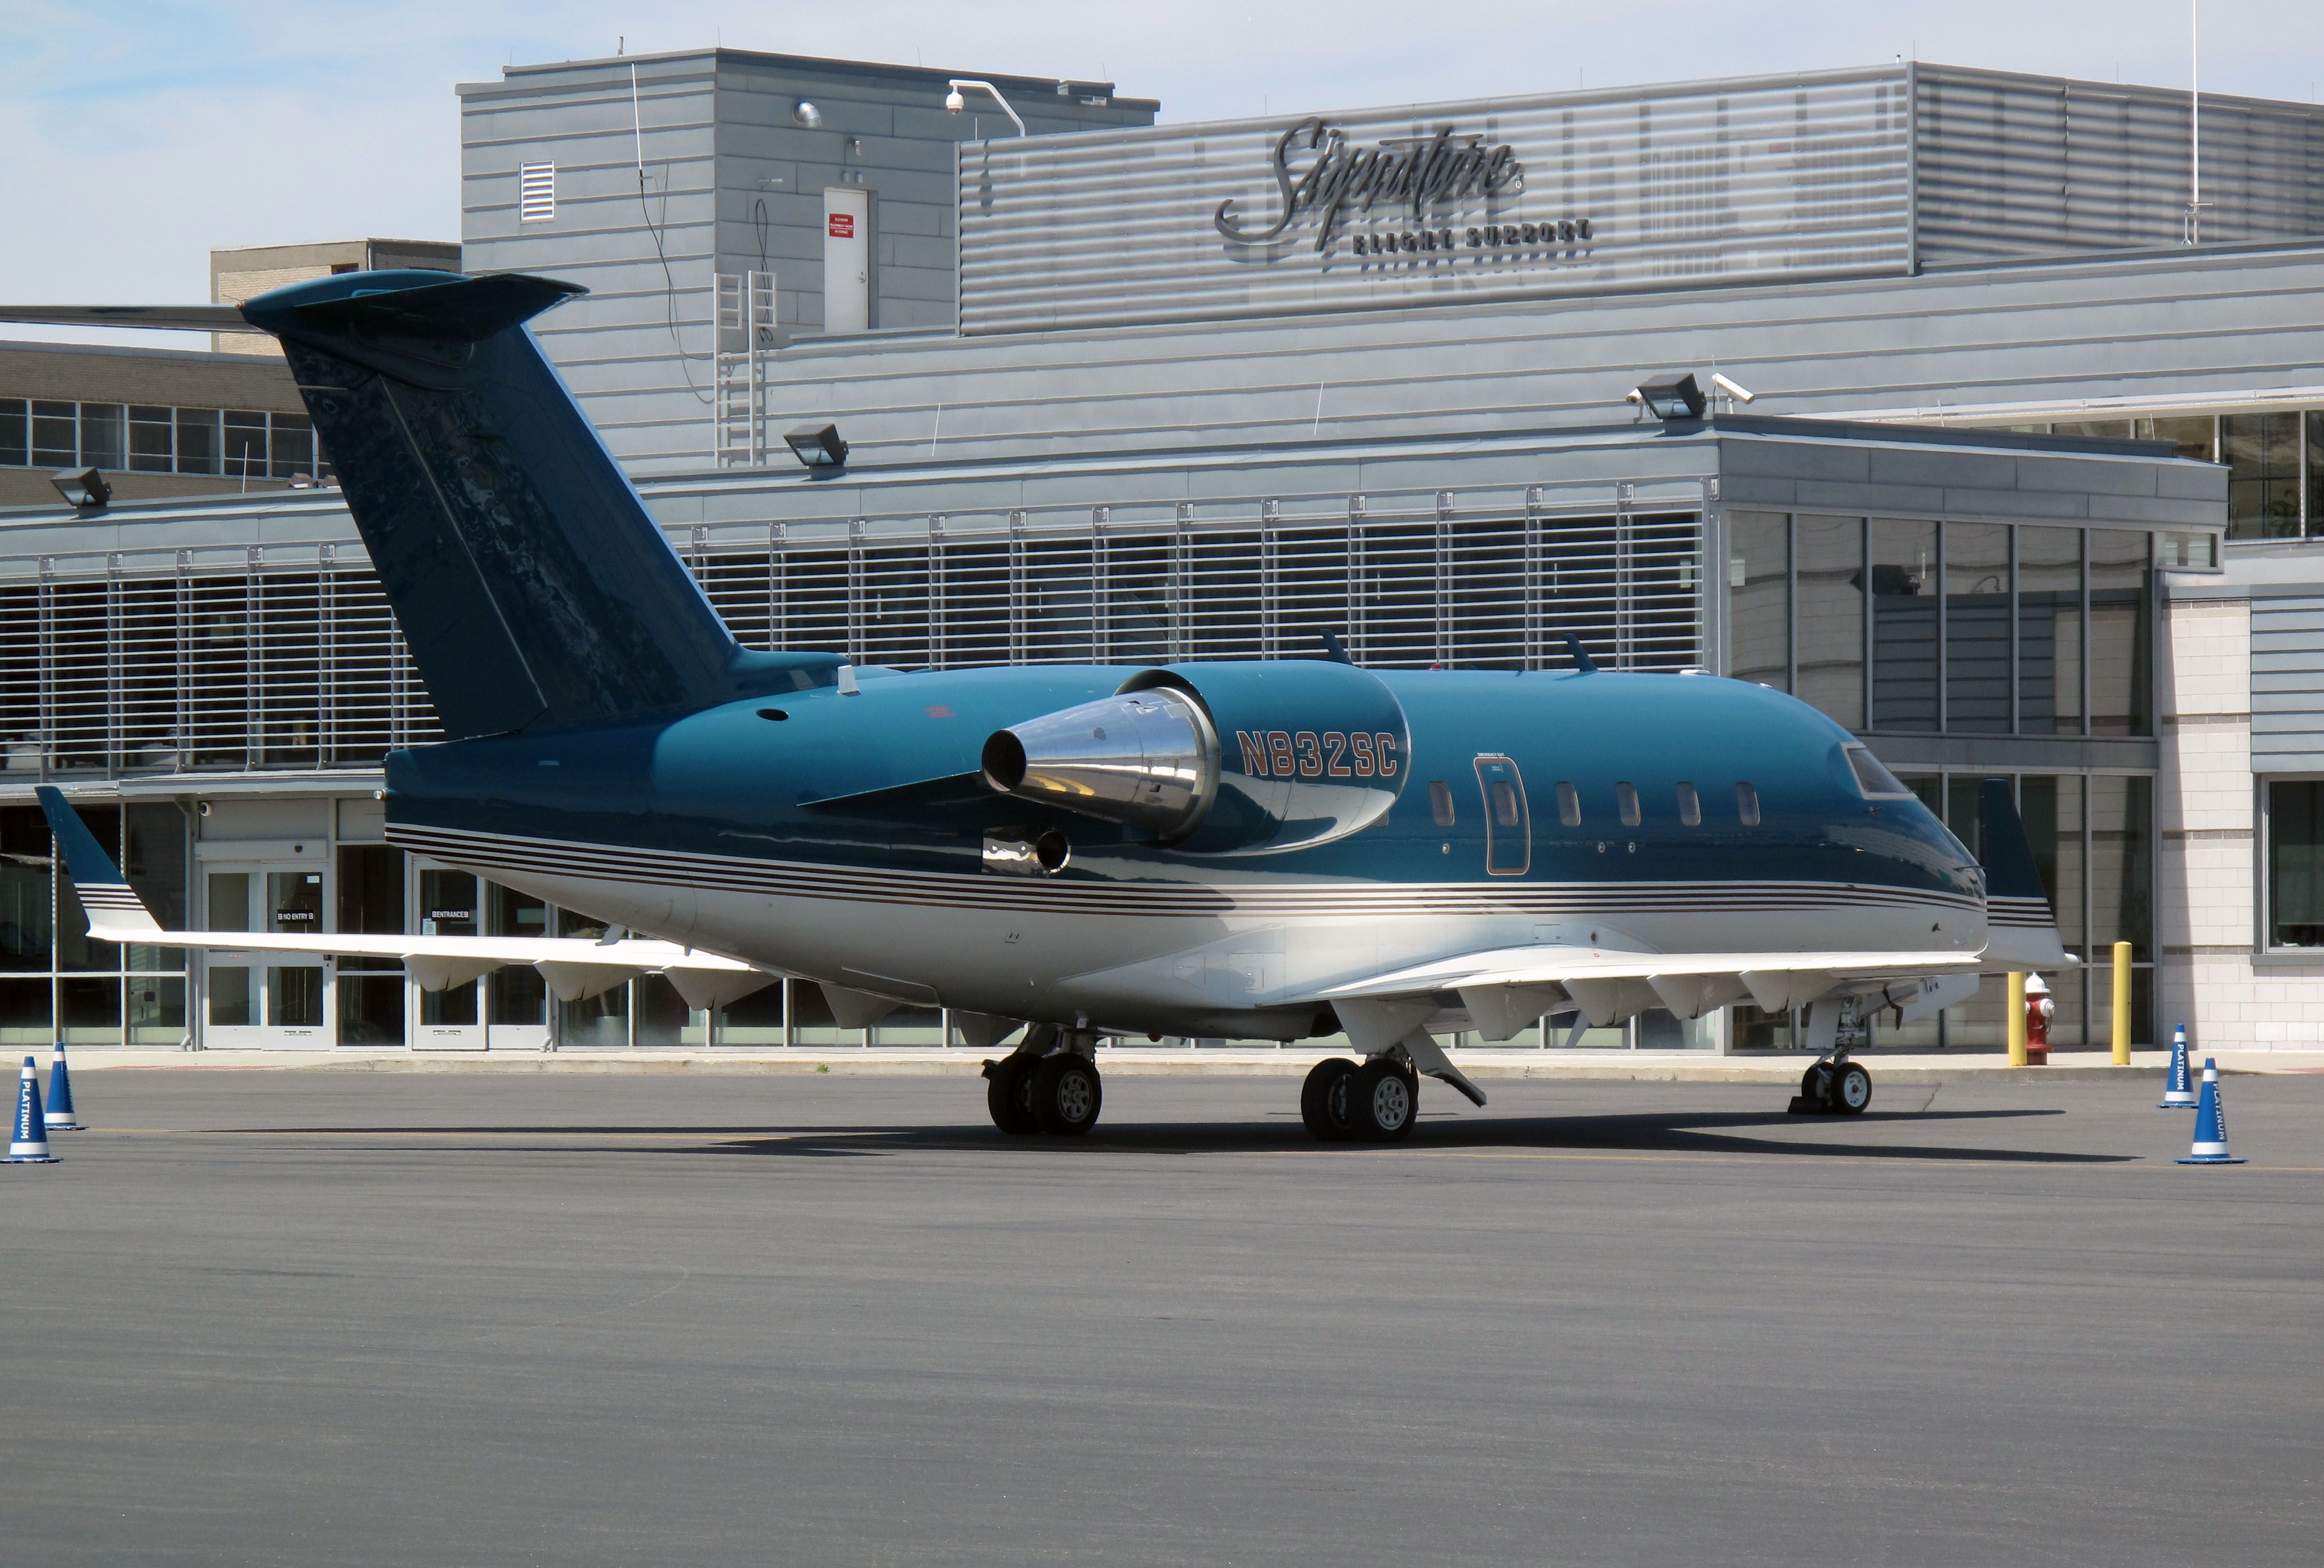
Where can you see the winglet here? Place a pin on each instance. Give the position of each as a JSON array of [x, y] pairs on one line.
[[1583, 663], [116, 913], [2021, 927]]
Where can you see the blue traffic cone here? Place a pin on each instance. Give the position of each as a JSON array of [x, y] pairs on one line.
[[31, 1144], [60, 1106], [2210, 1124], [2178, 1090]]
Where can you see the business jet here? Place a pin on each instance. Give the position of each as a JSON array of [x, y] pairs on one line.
[[1281, 850]]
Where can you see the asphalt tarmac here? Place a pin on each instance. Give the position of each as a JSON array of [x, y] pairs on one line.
[[303, 1317]]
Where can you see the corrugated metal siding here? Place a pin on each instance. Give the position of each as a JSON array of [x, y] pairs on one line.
[[2287, 680], [1765, 179], [2021, 166]]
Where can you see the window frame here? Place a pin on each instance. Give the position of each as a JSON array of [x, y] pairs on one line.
[[2264, 864]]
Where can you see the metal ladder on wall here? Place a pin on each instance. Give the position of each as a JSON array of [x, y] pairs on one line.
[[743, 316]]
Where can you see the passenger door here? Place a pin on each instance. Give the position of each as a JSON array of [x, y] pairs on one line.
[[1508, 825]]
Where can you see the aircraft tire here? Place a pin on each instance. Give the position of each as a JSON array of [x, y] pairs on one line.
[[1008, 1096], [1815, 1090], [1383, 1102], [1324, 1099], [1067, 1094], [1852, 1091]]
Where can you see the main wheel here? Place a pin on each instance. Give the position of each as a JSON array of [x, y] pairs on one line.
[[1851, 1089], [1815, 1087], [1067, 1094], [1008, 1096], [1382, 1101], [1324, 1099]]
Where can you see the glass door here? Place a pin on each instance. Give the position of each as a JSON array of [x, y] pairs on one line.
[[450, 1019], [257, 999]]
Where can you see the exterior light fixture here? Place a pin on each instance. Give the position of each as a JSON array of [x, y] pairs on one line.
[[956, 99], [82, 488], [818, 446], [1671, 397], [807, 115]]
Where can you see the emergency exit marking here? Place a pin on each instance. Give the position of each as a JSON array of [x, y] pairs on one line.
[[843, 226]]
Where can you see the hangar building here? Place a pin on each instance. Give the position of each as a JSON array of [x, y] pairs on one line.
[[1125, 391]]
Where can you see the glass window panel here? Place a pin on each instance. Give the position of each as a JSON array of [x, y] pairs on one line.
[[153, 859], [518, 993], [663, 1016], [292, 446], [2295, 862], [448, 908], [2112, 429], [1689, 805], [602, 1022], [157, 1009], [1962, 812], [2051, 806], [88, 1012], [2262, 452], [228, 900], [1904, 624], [26, 912], [371, 1008], [1440, 802], [2191, 435], [2121, 647], [2122, 870], [105, 444], [2050, 631], [26, 1012], [56, 435], [74, 948], [2314, 420], [756, 1020], [197, 440], [1976, 628], [1569, 803], [1747, 805], [230, 996], [294, 996], [153, 440], [245, 445], [1760, 597], [15, 434], [1829, 555]]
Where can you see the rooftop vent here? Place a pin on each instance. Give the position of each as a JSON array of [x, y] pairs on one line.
[[536, 192]]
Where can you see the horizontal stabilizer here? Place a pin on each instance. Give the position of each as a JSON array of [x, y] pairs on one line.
[[150, 317]]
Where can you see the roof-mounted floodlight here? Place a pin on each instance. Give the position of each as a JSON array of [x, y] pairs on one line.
[[1671, 397], [818, 446], [955, 101], [807, 115], [82, 488], [1740, 394]]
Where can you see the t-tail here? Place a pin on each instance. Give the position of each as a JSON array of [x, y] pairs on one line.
[[2022, 931], [534, 588]]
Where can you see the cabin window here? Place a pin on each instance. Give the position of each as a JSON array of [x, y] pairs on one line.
[[1504, 803], [1569, 803], [1689, 805], [1747, 805], [1440, 802], [1873, 779], [1625, 796]]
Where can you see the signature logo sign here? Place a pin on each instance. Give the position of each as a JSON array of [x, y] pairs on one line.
[[1413, 171]]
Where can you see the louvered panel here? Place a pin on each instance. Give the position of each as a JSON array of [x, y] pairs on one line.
[[1485, 597], [24, 741], [1222, 594], [1662, 612], [1576, 582], [1140, 599], [218, 657], [973, 604], [1311, 589], [742, 589], [416, 724], [360, 657], [892, 605], [79, 636], [290, 671], [811, 600], [1056, 602], [1396, 594], [148, 620]]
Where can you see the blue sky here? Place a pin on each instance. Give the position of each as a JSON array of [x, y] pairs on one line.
[[145, 133]]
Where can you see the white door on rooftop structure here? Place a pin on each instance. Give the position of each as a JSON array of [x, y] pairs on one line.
[[846, 259]]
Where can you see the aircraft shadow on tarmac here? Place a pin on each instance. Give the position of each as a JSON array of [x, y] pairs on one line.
[[1638, 1132]]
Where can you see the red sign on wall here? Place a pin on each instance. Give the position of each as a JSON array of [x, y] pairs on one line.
[[843, 226]]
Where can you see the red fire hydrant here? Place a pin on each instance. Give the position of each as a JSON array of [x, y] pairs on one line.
[[2038, 1010]]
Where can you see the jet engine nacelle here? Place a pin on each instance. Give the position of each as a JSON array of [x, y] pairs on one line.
[[1219, 758]]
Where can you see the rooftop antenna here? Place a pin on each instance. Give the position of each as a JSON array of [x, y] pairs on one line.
[[2194, 126]]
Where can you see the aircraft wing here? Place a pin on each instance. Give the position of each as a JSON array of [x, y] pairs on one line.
[[1543, 964], [574, 966]]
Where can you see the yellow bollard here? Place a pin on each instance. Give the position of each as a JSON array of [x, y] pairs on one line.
[[2122, 1004], [2016, 1018]]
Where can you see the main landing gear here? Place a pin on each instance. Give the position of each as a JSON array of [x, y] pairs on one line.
[[1049, 1084], [1833, 1086], [1374, 1102]]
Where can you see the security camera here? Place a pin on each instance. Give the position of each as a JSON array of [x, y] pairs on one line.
[[955, 102], [1730, 389]]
